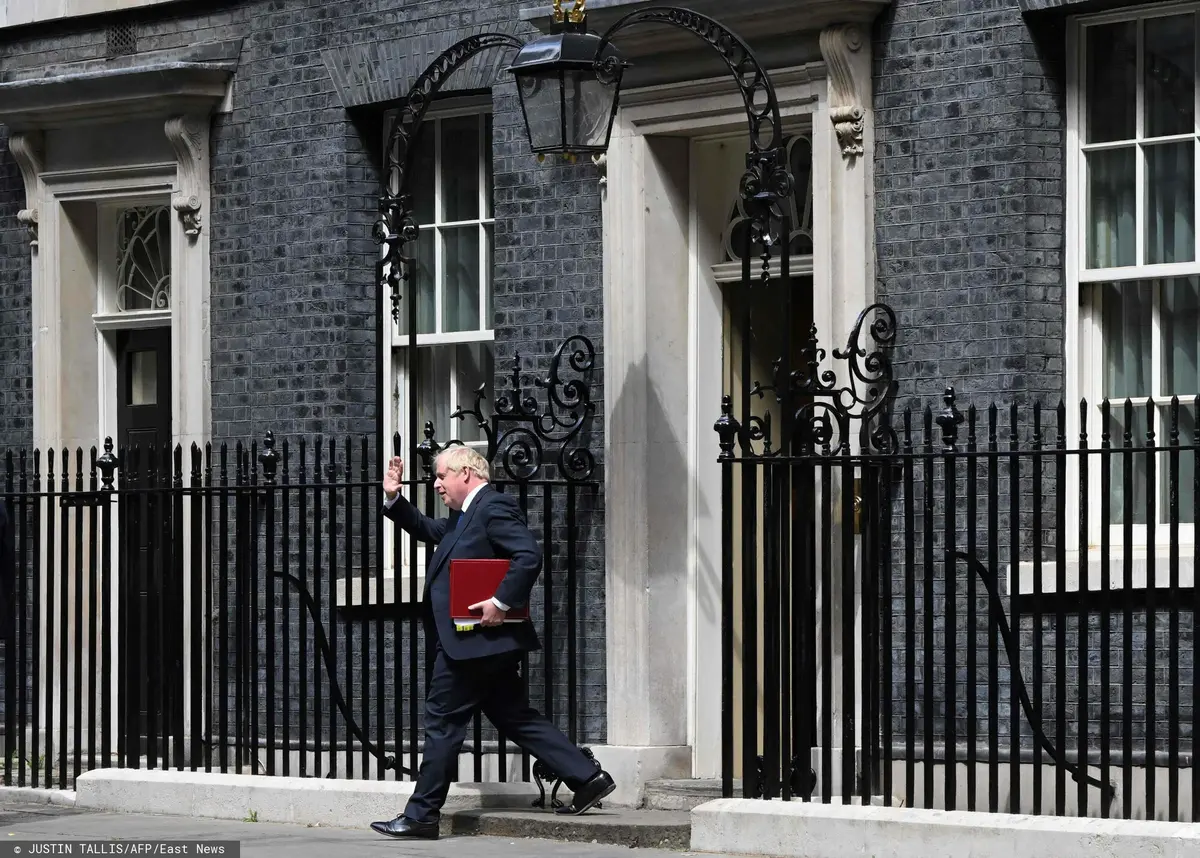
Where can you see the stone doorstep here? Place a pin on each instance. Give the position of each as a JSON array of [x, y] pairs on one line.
[[682, 794], [636, 829]]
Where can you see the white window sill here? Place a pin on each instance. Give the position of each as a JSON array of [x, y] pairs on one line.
[[352, 596], [1091, 570]]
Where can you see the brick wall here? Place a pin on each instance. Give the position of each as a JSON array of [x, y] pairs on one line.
[[970, 193], [969, 197]]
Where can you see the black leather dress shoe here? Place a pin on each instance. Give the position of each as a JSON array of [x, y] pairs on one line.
[[595, 788], [402, 826]]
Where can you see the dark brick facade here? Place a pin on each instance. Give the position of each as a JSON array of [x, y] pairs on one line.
[[969, 103]]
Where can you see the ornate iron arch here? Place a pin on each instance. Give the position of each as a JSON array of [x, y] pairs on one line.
[[396, 226], [767, 181]]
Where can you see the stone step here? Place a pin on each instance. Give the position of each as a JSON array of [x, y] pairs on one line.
[[684, 794], [638, 829]]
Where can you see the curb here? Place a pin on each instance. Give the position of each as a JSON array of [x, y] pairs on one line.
[[38, 795], [263, 798]]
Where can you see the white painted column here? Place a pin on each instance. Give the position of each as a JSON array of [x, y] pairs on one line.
[[28, 148], [646, 285], [190, 352], [844, 276]]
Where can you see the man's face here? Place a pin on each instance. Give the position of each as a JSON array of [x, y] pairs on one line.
[[452, 486]]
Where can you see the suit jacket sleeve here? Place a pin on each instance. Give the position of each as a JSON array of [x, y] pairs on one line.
[[511, 538], [415, 522]]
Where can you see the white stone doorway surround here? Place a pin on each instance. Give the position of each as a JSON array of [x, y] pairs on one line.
[[663, 384]]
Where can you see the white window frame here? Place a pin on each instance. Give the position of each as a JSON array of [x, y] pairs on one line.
[[1084, 314], [398, 345]]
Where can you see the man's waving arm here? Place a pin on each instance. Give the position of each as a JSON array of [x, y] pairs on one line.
[[400, 510]]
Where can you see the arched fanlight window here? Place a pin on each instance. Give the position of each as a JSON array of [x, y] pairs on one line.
[[144, 258], [800, 208]]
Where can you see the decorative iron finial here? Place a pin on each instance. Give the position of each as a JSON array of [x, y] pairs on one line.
[[107, 465], [950, 419], [428, 450], [269, 458], [727, 428]]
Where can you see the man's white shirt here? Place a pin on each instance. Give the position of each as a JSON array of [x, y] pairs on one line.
[[387, 504]]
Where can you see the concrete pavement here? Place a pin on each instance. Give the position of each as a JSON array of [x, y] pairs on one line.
[[33, 822]]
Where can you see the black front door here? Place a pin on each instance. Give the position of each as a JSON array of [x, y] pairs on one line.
[[151, 600]]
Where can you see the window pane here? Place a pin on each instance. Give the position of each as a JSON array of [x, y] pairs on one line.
[[143, 378], [1127, 333], [422, 172], [460, 260], [473, 367], [422, 252], [1170, 203], [1111, 82], [1184, 479], [489, 177], [448, 378], [460, 169], [1170, 75], [1111, 209], [1181, 336], [488, 266], [1128, 431], [433, 391]]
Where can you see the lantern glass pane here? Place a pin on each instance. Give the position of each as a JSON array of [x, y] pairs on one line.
[[541, 98], [589, 106]]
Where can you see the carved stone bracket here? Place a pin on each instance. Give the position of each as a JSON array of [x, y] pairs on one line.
[[601, 162], [188, 136], [838, 44], [29, 219], [188, 209], [26, 148]]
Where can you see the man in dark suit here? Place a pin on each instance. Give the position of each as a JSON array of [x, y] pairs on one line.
[[478, 669]]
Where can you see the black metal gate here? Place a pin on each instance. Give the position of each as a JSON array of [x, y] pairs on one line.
[[799, 687]]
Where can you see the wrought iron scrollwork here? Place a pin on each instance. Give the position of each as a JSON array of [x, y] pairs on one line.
[[396, 226], [823, 410], [755, 85], [525, 435], [543, 774], [869, 388]]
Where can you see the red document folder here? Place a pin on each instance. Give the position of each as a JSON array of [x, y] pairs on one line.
[[473, 581]]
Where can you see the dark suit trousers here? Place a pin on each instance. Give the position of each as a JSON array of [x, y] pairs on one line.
[[456, 690]]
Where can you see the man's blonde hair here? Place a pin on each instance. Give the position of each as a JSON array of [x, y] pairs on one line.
[[459, 458]]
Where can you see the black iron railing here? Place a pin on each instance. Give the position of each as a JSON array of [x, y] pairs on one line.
[[245, 613], [248, 608], [989, 610]]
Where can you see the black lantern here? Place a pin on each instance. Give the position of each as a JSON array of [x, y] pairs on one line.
[[568, 85]]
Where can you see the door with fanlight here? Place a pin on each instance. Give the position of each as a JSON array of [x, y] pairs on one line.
[[766, 325]]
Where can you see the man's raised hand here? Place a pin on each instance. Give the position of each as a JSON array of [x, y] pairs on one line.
[[392, 477]]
